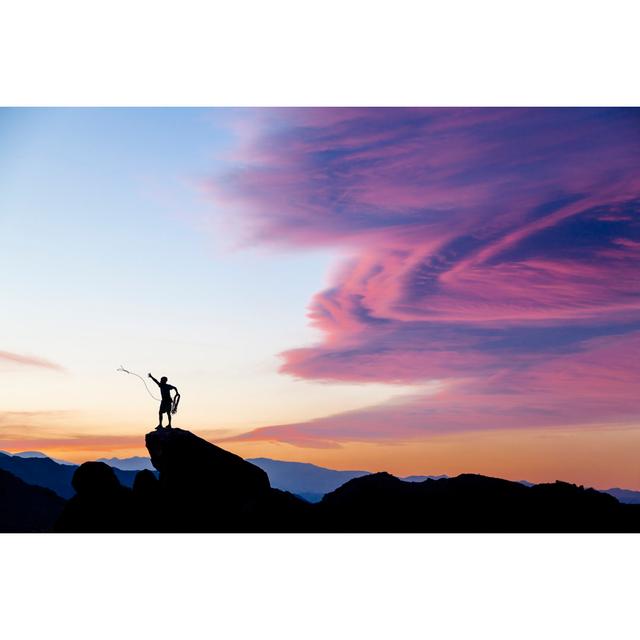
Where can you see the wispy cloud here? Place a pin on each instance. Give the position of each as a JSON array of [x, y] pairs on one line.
[[496, 250], [27, 361]]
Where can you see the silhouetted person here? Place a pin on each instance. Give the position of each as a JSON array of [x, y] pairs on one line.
[[166, 404]]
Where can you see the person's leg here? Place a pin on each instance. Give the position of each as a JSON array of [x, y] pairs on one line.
[[169, 417], [160, 418]]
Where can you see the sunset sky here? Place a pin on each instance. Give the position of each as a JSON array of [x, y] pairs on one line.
[[411, 290]]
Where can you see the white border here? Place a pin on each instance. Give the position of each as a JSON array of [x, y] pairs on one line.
[[329, 53], [320, 586], [335, 52]]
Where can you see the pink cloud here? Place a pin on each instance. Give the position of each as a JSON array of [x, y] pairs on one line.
[[492, 249], [29, 361], [593, 387]]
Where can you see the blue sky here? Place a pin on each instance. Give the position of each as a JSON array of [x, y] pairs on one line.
[[110, 257]]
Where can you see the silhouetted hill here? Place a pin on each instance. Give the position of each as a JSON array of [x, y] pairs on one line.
[[310, 481], [471, 503], [34, 454], [44, 472], [25, 508]]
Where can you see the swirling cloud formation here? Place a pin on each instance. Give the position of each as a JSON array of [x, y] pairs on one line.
[[494, 250]]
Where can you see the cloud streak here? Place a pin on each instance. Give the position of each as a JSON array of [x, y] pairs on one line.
[[9, 358], [495, 250]]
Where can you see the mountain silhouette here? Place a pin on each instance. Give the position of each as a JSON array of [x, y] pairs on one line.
[[134, 463], [623, 495], [200, 487], [26, 508], [303, 479], [34, 454], [308, 481], [422, 478], [44, 472], [471, 503]]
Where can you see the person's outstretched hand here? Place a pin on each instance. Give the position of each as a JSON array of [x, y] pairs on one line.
[[148, 375]]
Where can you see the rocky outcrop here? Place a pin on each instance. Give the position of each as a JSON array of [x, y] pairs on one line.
[[201, 488], [205, 488], [187, 462]]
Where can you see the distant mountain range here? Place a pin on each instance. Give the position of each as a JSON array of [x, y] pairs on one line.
[[309, 481], [422, 478], [135, 463], [303, 479], [35, 454], [625, 495], [44, 472]]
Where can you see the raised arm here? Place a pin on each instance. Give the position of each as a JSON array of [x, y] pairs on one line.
[[154, 379]]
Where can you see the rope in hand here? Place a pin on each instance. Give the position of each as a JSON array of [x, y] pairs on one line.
[[176, 402], [144, 382]]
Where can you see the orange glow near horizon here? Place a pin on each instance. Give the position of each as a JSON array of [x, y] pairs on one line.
[[601, 458], [596, 457]]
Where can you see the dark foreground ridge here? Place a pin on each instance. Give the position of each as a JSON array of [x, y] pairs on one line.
[[203, 488], [26, 508]]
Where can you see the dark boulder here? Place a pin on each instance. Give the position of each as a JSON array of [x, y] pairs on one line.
[[101, 503], [205, 488], [184, 460], [95, 478]]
